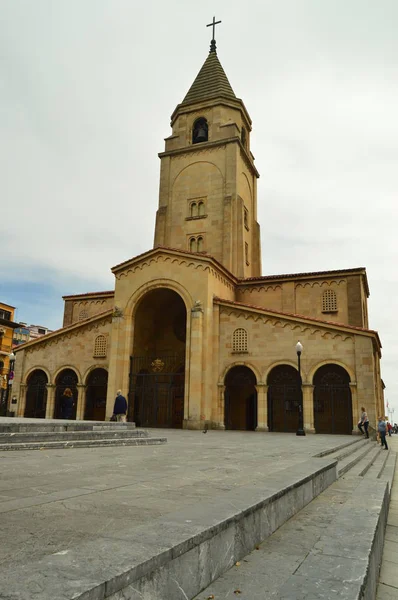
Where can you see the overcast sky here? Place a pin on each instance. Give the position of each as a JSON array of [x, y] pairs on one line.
[[87, 88]]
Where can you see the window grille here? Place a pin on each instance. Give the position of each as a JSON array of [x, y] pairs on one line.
[[100, 346], [246, 218], [83, 314], [329, 301], [240, 340]]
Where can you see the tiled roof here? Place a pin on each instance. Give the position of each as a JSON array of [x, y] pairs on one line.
[[211, 82], [47, 336], [296, 316], [89, 294]]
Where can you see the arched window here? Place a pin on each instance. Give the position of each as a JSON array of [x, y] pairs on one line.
[[83, 314], [243, 136], [192, 244], [200, 244], [200, 132], [239, 340], [329, 301], [201, 209], [193, 209], [100, 346]]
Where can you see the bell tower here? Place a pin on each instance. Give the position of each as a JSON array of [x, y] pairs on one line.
[[208, 181]]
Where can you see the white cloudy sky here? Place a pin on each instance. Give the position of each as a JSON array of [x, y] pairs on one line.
[[87, 88]]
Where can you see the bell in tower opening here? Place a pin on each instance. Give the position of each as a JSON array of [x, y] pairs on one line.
[[200, 131]]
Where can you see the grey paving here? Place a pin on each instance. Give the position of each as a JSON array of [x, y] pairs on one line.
[[388, 581], [51, 501], [321, 552]]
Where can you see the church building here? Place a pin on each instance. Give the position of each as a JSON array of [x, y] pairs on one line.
[[193, 334]]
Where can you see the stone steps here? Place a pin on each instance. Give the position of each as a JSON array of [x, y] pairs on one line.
[[321, 552], [14, 426], [73, 435], [40, 434], [87, 443]]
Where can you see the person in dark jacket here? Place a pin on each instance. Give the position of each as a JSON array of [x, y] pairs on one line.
[[382, 429], [120, 407], [67, 404]]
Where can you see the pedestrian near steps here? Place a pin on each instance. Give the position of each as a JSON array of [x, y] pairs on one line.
[[120, 407], [382, 429], [364, 422]]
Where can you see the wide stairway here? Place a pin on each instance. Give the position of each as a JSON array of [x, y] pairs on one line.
[[39, 434], [331, 548]]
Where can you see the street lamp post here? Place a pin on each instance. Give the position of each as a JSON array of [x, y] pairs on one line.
[[10, 377], [300, 430]]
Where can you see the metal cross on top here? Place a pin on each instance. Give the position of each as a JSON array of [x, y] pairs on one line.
[[213, 41]]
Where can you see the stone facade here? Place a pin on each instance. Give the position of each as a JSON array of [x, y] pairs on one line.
[[192, 333]]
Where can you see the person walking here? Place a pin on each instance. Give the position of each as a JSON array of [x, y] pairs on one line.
[[382, 429], [364, 422], [120, 407], [67, 404], [389, 428]]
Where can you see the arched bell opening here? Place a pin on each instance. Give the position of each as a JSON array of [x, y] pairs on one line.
[[200, 131], [157, 364], [66, 379], [240, 399], [284, 399], [332, 400], [36, 395], [97, 385]]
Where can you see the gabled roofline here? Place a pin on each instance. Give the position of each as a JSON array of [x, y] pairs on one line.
[[176, 251], [297, 317], [86, 294], [306, 275], [61, 330]]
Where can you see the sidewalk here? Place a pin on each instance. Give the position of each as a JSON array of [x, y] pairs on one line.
[[388, 581]]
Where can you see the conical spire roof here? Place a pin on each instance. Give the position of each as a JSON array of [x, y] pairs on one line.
[[211, 82]]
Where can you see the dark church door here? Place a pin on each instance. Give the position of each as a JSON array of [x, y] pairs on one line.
[[156, 396], [332, 400], [240, 399], [284, 399]]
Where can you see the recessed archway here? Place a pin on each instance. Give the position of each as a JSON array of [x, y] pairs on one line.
[[36, 395], [240, 399], [332, 400], [284, 398], [97, 385], [157, 370], [67, 378]]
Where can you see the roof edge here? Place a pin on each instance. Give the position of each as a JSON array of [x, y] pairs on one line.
[[61, 330], [294, 316]]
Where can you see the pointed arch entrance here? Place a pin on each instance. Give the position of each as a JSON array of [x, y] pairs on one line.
[[157, 365], [284, 399], [36, 395], [240, 399], [332, 400], [97, 385], [65, 379]]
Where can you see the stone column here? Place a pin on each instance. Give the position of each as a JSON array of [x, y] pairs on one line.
[[220, 424], [193, 417], [356, 411], [308, 407], [23, 388], [262, 407], [50, 404], [81, 401]]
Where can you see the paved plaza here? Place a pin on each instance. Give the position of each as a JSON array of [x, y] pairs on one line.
[[52, 500]]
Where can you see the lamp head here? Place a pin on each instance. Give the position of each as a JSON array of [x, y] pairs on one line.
[[12, 356], [299, 347]]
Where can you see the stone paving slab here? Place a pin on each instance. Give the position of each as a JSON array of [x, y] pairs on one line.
[[43, 510]]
